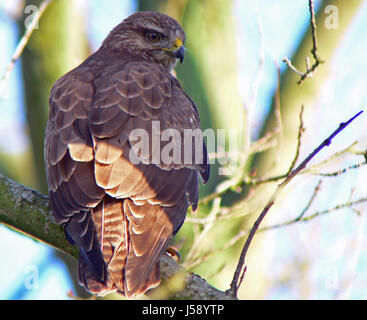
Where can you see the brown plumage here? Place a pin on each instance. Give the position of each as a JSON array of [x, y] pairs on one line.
[[121, 214]]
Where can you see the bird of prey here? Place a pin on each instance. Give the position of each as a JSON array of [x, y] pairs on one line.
[[118, 204]]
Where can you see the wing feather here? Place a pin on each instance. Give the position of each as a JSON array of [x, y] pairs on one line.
[[120, 214], [70, 170]]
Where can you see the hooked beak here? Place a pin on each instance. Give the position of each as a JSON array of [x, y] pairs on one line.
[[179, 50], [180, 53]]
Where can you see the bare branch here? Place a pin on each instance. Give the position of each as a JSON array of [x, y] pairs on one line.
[[300, 218], [262, 144], [314, 195], [301, 129], [341, 171], [23, 42], [348, 204], [28, 212], [290, 65], [309, 70], [241, 263]]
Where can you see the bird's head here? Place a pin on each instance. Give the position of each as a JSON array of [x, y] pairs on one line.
[[152, 36]]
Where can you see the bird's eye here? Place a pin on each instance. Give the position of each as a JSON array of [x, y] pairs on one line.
[[153, 36]]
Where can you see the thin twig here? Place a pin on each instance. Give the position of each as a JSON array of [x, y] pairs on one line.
[[241, 263], [315, 193], [199, 239], [277, 113], [262, 144], [309, 70], [290, 65], [316, 214], [22, 43], [240, 235], [313, 30], [255, 91], [312, 170], [301, 129], [341, 171]]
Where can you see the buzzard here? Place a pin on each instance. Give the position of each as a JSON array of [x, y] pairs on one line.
[[119, 203]]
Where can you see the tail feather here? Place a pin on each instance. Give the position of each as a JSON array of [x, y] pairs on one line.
[[131, 249], [89, 281], [151, 282], [80, 229]]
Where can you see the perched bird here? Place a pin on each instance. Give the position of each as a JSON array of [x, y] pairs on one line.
[[119, 203]]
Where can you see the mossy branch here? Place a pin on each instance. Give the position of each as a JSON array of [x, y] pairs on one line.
[[29, 212]]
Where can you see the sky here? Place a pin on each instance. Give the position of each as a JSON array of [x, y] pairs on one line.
[[31, 272]]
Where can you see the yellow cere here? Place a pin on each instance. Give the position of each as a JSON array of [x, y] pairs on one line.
[[178, 43]]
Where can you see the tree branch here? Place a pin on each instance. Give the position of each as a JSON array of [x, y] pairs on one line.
[[29, 212], [22, 43], [309, 70], [241, 267]]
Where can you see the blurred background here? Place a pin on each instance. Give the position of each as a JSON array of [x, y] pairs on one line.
[[234, 52]]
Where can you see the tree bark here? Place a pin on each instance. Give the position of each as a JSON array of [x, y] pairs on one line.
[[28, 211]]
